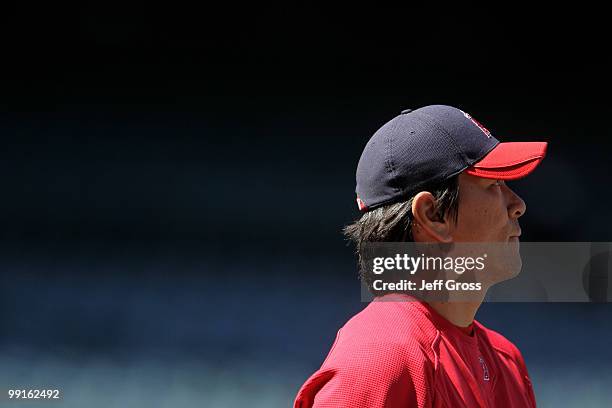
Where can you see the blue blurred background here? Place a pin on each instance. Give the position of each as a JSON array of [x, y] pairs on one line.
[[175, 182]]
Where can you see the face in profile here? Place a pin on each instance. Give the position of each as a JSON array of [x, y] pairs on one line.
[[488, 217], [486, 228]]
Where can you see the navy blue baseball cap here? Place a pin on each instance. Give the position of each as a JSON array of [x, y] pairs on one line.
[[423, 147]]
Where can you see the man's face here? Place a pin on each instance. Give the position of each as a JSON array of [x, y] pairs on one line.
[[488, 215], [488, 211]]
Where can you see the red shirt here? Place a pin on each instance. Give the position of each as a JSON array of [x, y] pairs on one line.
[[404, 354]]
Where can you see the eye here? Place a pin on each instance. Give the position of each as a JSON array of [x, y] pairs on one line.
[[498, 183]]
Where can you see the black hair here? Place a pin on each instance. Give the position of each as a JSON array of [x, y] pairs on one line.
[[393, 222]]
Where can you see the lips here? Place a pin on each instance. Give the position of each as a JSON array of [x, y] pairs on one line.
[[517, 230], [516, 235]]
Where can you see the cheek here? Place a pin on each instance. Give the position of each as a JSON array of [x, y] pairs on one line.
[[482, 216]]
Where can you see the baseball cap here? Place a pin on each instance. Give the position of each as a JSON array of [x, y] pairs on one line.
[[422, 147]]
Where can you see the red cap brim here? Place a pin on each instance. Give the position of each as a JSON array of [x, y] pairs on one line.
[[510, 161]]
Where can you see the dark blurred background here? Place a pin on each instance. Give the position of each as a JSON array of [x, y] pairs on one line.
[[176, 179]]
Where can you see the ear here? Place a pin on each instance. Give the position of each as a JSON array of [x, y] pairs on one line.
[[427, 225]]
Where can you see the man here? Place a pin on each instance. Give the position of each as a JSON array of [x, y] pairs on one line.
[[432, 175]]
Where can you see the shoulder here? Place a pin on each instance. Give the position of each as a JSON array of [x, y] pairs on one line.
[[391, 334], [369, 371], [370, 364], [393, 322]]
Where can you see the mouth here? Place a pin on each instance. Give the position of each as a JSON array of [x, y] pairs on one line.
[[515, 236]]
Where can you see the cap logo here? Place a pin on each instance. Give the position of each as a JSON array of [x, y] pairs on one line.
[[361, 204], [474, 121]]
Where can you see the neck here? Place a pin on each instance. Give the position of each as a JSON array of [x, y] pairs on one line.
[[458, 313], [461, 312]]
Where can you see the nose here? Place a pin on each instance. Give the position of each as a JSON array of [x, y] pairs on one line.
[[516, 205]]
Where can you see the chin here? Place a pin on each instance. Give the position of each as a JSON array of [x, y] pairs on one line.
[[516, 267]]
